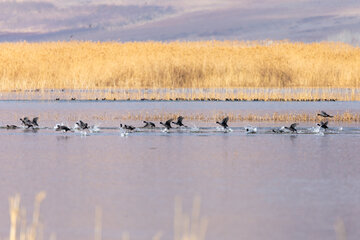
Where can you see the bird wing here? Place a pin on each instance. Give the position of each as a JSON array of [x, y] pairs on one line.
[[324, 113], [293, 125], [35, 119], [168, 122], [225, 120], [325, 123], [180, 118]]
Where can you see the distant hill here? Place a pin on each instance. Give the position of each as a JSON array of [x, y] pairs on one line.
[[180, 20]]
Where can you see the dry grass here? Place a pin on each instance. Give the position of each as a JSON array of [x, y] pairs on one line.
[[186, 226], [194, 65]]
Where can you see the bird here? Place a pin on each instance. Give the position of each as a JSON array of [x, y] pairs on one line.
[[250, 129], [292, 127], [223, 123], [324, 114], [149, 124], [24, 121], [278, 130], [179, 121], [60, 127], [127, 127], [11, 127], [323, 125], [167, 124], [80, 124], [28, 123]]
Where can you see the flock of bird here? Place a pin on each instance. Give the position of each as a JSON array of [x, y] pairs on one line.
[[82, 126]]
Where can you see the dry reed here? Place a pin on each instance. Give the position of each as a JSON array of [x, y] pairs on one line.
[[26, 232], [191, 65], [186, 226]]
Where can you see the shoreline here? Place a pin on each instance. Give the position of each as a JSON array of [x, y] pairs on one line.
[[188, 94]]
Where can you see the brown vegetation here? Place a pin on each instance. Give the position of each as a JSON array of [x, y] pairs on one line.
[[191, 65]]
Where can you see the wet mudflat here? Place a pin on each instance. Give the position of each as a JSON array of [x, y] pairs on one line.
[[252, 186]]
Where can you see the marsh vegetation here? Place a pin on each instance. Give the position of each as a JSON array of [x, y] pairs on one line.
[[315, 71]]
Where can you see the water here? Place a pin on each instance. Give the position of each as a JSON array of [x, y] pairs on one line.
[[252, 186]]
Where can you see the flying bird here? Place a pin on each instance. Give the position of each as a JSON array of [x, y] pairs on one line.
[[149, 124], [167, 124], [292, 127], [323, 125], [179, 121], [223, 123], [324, 114], [28, 123], [80, 124], [128, 127]]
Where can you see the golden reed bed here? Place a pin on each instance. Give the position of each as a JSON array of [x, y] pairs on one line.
[[185, 65]]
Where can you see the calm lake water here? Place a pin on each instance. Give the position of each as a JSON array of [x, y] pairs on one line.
[[252, 186]]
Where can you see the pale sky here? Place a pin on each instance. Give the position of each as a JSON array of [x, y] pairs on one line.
[[166, 20]]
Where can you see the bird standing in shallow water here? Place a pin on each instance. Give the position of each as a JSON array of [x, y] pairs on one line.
[[223, 123], [167, 124]]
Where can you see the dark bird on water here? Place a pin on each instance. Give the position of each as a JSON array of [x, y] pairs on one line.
[[324, 114], [167, 124], [223, 123], [278, 130], [292, 127], [127, 127], [28, 123], [62, 128], [149, 124], [11, 127], [323, 125], [82, 125], [179, 121]]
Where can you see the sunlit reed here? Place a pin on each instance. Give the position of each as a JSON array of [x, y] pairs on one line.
[[184, 65], [32, 231], [186, 226]]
